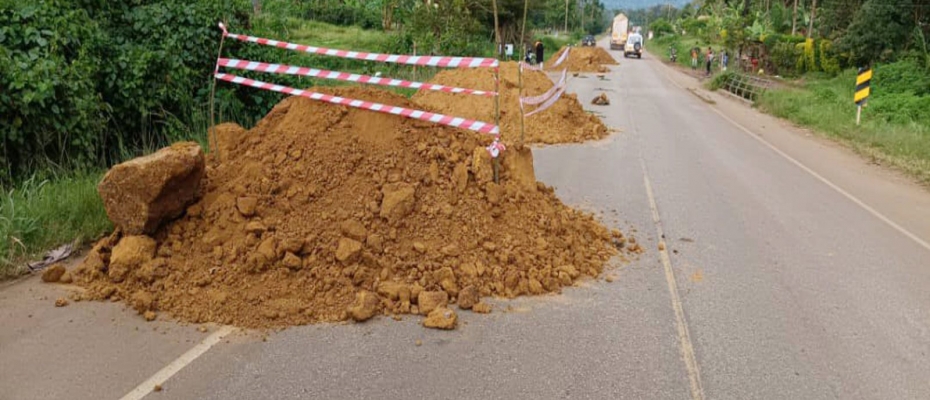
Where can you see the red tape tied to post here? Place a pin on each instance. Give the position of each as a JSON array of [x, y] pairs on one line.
[[344, 76], [441, 119], [429, 61], [496, 147]]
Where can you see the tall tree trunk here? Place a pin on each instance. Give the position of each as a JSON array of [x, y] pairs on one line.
[[810, 25], [794, 19], [566, 16]]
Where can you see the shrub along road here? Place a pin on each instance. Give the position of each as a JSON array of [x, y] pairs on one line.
[[791, 269]]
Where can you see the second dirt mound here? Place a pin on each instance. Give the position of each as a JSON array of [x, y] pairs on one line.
[[564, 122], [584, 59], [325, 213]]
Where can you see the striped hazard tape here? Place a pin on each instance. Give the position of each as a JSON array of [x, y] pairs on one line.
[[863, 86], [533, 100], [456, 122], [343, 76], [431, 61], [548, 103]]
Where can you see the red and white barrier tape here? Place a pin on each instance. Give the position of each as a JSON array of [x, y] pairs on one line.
[[456, 122], [533, 100], [431, 61], [343, 76], [548, 103]]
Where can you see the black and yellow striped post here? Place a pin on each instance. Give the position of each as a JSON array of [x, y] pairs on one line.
[[863, 82]]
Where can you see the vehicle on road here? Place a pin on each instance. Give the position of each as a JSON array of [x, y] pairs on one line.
[[619, 31], [634, 46], [588, 41], [672, 54]]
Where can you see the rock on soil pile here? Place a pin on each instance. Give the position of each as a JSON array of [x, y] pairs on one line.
[[584, 59], [326, 213], [564, 122]]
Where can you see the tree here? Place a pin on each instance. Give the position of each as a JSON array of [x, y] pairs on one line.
[[877, 31]]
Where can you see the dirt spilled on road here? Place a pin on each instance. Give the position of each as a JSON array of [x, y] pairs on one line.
[[583, 59], [564, 122], [327, 213]]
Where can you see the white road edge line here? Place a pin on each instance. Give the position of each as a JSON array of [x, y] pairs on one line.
[[684, 337], [178, 364], [819, 177]]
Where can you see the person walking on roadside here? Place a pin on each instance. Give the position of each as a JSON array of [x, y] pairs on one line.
[[725, 59], [539, 53], [694, 57], [710, 59]]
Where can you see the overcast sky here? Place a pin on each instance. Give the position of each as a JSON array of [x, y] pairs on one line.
[[634, 4]]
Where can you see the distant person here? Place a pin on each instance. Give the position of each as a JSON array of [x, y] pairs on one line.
[[539, 53], [694, 57], [725, 59], [709, 60]]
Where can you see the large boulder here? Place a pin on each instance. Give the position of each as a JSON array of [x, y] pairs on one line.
[[143, 192]]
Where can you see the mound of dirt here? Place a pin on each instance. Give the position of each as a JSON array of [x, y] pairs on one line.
[[584, 59], [564, 122], [326, 213]]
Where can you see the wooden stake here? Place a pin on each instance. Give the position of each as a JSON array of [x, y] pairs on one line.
[[216, 144], [858, 114], [497, 88]]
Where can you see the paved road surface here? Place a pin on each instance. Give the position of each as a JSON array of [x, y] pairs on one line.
[[788, 257]]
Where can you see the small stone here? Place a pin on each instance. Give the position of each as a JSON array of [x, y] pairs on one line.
[[54, 273], [661, 246], [610, 278], [157, 388], [482, 308], [348, 250], [149, 316], [429, 301], [419, 342], [468, 297], [441, 318], [247, 205], [61, 302]]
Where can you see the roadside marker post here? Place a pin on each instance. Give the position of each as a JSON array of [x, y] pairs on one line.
[[863, 90]]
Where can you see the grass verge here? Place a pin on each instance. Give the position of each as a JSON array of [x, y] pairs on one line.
[[895, 128], [44, 212]]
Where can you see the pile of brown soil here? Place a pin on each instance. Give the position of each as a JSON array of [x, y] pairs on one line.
[[583, 59], [564, 122], [325, 213]]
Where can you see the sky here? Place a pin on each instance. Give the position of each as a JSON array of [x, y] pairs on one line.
[[634, 4]]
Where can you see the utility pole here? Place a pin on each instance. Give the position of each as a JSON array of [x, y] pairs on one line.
[[794, 19], [810, 26]]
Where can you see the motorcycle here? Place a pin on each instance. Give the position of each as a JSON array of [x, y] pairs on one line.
[[672, 54]]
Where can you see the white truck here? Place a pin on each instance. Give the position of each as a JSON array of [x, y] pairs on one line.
[[633, 46], [619, 31]]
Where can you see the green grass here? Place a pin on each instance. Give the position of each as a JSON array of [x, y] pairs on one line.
[[895, 127], [42, 213], [659, 48]]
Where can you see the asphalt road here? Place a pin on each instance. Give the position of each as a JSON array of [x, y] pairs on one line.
[[797, 268]]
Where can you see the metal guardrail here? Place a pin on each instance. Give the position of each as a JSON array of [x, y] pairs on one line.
[[747, 87]]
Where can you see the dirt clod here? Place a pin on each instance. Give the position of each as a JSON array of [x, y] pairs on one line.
[[468, 297], [365, 307], [53, 273], [482, 308], [601, 100], [429, 301], [61, 302], [441, 318], [149, 316], [142, 193]]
